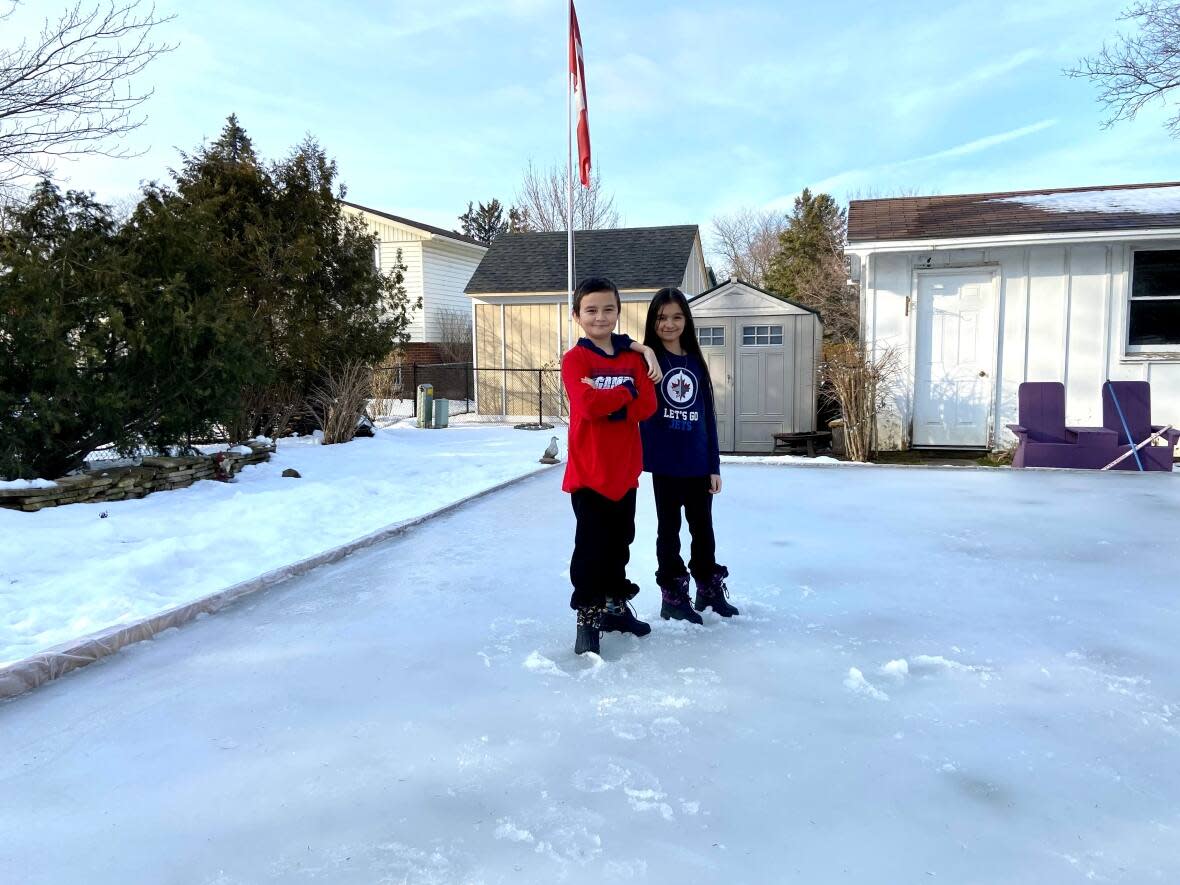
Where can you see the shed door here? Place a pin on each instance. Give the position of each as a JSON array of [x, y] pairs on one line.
[[763, 400], [956, 353], [716, 338]]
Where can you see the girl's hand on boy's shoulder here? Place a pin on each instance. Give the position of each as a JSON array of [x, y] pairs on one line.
[[654, 372], [714, 484]]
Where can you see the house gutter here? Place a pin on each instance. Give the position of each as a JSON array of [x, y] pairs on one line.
[[941, 244]]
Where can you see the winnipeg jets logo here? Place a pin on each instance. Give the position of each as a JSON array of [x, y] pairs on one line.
[[680, 388]]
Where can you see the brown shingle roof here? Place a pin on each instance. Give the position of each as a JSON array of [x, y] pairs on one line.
[[1063, 210]]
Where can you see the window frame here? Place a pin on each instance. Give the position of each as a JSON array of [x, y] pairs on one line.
[[716, 336], [1141, 350], [769, 334]]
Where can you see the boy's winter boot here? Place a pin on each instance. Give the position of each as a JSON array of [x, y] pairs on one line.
[[589, 624], [713, 594], [619, 618], [676, 603]]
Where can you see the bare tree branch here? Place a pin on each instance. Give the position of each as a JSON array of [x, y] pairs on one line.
[[543, 198], [747, 241], [1138, 67], [68, 92]]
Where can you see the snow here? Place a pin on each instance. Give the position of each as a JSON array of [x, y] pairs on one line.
[[415, 713], [128, 560], [1143, 200], [27, 484]]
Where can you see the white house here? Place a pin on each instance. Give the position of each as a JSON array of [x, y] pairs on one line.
[[439, 263], [980, 292]]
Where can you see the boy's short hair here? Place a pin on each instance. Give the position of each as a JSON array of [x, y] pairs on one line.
[[595, 284]]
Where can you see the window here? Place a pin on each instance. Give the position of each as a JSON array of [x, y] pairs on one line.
[[762, 335], [1153, 315], [713, 336]]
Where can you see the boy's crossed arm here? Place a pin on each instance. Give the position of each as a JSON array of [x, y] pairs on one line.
[[588, 399]]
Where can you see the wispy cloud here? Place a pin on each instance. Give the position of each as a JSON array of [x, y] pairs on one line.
[[913, 101], [871, 176]]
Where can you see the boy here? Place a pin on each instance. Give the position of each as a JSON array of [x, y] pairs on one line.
[[610, 393]]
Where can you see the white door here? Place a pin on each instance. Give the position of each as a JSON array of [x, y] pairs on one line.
[[716, 338], [956, 352], [761, 390]]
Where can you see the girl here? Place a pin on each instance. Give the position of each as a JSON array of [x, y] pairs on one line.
[[680, 452]]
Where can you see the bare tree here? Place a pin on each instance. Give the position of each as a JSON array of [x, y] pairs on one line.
[[454, 335], [861, 382], [1138, 67], [67, 92], [543, 198], [746, 241], [885, 193]]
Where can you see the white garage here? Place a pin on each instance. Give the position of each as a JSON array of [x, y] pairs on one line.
[[762, 351], [979, 292]]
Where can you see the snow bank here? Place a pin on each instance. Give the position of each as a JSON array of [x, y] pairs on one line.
[[128, 560]]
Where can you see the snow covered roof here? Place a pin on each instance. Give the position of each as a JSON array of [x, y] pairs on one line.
[[1065, 210]]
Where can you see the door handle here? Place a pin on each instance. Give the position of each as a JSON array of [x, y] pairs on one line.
[[982, 374]]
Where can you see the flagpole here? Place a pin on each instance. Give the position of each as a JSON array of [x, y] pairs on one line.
[[569, 205]]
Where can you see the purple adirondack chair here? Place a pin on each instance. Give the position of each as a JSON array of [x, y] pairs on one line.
[[1134, 397], [1045, 441]]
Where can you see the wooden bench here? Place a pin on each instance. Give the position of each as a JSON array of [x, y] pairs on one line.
[[793, 442]]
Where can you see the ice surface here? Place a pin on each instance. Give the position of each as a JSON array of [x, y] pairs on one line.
[[416, 714]]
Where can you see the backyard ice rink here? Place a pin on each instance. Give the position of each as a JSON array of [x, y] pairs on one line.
[[963, 676]]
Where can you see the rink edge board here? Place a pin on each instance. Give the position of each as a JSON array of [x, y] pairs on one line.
[[29, 673]]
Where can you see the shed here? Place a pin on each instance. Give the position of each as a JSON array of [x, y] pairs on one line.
[[762, 352], [979, 292]]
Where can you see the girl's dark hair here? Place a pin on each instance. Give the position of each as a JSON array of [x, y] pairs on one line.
[[596, 284], [688, 338]]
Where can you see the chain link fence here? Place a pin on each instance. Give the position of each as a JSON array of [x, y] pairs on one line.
[[482, 394]]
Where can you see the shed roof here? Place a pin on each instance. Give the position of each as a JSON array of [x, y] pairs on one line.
[[633, 257], [1064, 210], [758, 289]]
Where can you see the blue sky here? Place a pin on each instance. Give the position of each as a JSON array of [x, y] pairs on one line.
[[696, 108]]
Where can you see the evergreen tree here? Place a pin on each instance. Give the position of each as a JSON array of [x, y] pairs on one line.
[[485, 223], [94, 352], [518, 220], [808, 266]]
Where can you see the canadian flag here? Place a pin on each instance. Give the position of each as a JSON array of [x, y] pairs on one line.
[[578, 84]]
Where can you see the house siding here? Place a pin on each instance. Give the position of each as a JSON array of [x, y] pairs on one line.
[[446, 270], [694, 282], [412, 279], [436, 270], [1061, 316]]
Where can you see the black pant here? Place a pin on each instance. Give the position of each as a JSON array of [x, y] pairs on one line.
[[602, 547], [692, 494]]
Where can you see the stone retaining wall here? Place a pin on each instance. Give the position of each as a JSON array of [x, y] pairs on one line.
[[119, 483]]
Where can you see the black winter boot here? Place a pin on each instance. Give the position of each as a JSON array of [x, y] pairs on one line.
[[676, 603], [589, 624], [619, 618], [713, 594]]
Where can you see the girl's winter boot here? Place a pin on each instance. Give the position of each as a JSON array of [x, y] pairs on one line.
[[714, 594], [589, 624], [676, 603]]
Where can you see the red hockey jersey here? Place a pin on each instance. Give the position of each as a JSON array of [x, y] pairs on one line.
[[605, 449]]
